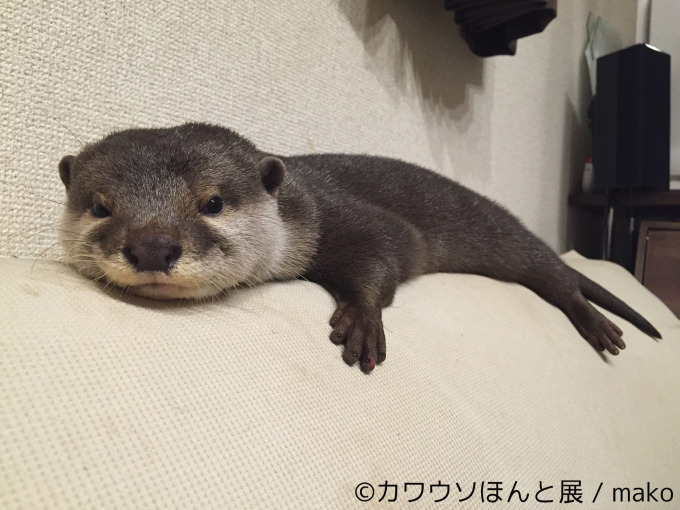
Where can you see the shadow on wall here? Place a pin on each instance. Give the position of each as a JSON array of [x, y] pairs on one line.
[[583, 229], [430, 49]]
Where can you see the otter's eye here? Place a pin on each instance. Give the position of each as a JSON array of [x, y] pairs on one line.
[[99, 211], [213, 206]]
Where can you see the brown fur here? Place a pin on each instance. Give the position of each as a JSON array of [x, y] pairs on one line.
[[357, 225]]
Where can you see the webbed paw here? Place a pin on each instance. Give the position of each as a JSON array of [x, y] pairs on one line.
[[361, 330], [599, 331]]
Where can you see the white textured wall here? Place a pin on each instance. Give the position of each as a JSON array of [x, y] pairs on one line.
[[663, 34], [375, 76]]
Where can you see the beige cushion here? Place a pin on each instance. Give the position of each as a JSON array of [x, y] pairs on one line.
[[245, 403]]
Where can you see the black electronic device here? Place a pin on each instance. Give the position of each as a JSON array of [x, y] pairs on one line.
[[631, 120]]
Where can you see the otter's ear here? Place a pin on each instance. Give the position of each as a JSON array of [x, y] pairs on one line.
[[271, 171], [65, 169]]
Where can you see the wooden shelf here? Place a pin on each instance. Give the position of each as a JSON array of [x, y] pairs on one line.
[[635, 199], [654, 218], [650, 199]]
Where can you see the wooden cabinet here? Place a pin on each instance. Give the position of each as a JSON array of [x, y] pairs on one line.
[[652, 218], [657, 264]]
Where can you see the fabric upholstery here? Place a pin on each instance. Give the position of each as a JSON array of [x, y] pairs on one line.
[[110, 401]]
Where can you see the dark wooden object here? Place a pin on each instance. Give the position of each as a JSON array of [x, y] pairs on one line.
[[638, 199], [643, 235], [657, 264]]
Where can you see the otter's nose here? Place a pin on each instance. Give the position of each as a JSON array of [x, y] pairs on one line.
[[149, 253]]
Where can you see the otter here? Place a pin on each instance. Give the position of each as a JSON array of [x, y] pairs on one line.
[[193, 210]]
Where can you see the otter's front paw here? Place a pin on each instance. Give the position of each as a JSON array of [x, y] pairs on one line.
[[361, 331]]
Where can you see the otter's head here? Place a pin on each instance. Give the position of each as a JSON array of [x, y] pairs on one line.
[[183, 212]]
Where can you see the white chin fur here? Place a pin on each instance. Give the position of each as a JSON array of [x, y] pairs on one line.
[[164, 291], [179, 285]]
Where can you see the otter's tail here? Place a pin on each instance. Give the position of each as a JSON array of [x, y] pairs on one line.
[[608, 301]]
